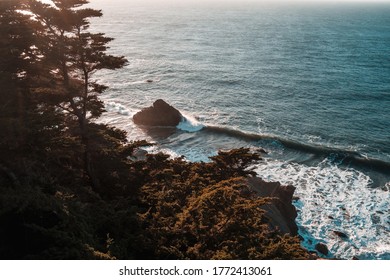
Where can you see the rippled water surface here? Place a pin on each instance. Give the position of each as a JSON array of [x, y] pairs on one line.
[[310, 84]]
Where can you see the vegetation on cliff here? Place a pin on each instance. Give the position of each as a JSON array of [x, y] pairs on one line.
[[70, 187]]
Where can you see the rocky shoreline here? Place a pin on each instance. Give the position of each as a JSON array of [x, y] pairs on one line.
[[279, 212]]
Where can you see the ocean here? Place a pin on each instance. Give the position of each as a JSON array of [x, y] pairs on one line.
[[308, 83]]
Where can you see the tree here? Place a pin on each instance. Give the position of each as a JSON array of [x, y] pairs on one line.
[[16, 37], [71, 55]]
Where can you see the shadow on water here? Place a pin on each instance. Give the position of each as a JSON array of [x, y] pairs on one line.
[[159, 133]]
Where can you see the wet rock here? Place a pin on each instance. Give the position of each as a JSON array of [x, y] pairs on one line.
[[322, 248], [281, 213], [139, 154], [262, 151], [340, 234], [159, 114]]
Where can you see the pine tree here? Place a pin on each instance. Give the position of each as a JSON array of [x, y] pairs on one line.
[[71, 55]]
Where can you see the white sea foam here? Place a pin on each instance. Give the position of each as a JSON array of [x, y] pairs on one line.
[[136, 83], [189, 124], [387, 186], [331, 198], [157, 149], [196, 154], [115, 107]]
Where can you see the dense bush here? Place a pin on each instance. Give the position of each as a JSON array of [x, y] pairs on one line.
[[195, 212]]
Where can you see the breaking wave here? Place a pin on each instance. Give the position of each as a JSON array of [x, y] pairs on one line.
[[189, 124], [115, 107], [334, 199]]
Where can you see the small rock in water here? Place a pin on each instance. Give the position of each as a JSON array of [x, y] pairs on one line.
[[322, 248], [340, 234], [261, 150]]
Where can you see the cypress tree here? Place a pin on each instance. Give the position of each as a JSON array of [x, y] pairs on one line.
[[71, 55]]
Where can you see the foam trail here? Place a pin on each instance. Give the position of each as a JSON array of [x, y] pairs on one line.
[[146, 81], [115, 107], [189, 124], [347, 157], [331, 198]]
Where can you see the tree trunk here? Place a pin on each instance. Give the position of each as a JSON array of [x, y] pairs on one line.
[[88, 162]]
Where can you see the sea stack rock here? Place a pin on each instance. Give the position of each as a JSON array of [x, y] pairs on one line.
[[159, 114]]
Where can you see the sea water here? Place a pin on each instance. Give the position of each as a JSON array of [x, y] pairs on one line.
[[308, 83]]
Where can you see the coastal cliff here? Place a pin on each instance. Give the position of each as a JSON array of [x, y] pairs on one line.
[[217, 210]]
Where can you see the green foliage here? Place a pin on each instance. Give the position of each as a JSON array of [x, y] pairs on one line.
[[16, 38], [71, 55], [16, 68], [235, 163], [193, 214]]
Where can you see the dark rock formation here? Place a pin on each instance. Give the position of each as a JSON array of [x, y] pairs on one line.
[[281, 212], [322, 248], [159, 114], [340, 234], [139, 154]]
